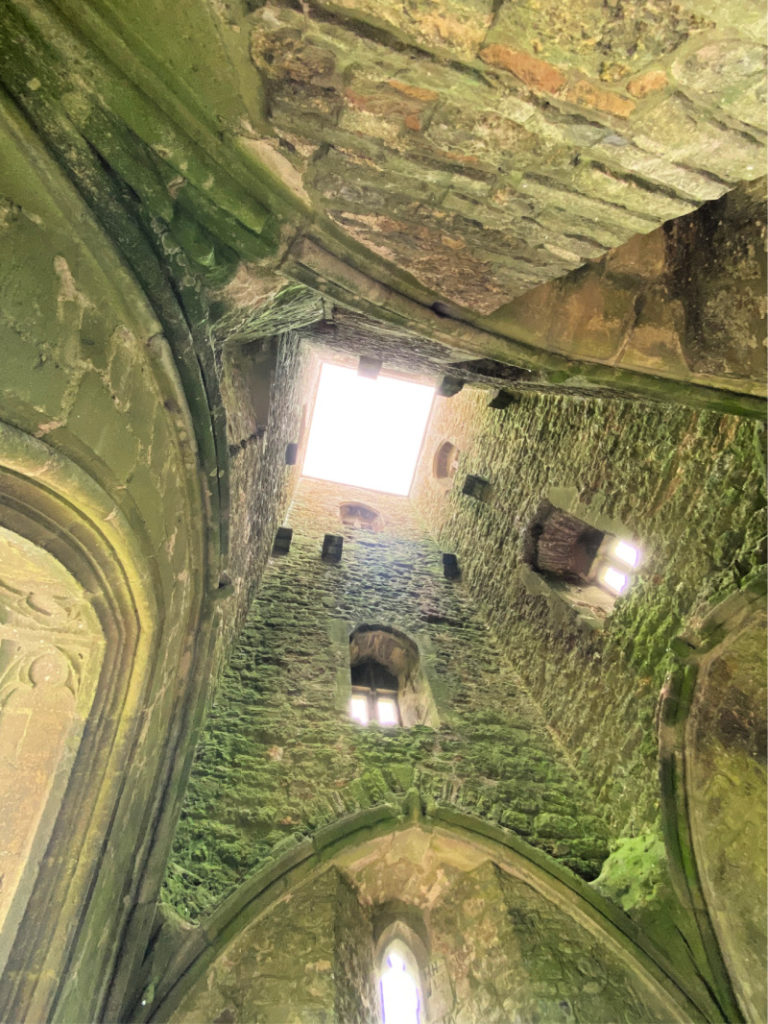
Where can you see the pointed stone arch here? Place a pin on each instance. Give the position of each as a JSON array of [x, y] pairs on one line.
[[385, 860]]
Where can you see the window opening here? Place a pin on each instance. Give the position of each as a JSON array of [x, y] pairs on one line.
[[401, 998], [388, 683], [365, 432], [446, 462], [374, 694], [564, 547]]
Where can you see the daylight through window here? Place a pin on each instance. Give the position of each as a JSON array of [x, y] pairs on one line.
[[401, 1000], [374, 694], [365, 432]]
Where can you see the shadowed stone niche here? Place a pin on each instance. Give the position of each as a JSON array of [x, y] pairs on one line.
[[51, 648], [445, 464], [361, 517]]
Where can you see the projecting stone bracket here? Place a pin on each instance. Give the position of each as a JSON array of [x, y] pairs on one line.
[[332, 548], [283, 538]]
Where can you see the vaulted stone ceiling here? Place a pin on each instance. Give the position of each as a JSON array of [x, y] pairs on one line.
[[467, 171], [486, 147]]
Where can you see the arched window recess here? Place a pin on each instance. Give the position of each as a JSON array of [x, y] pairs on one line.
[[360, 516], [400, 990], [401, 958], [445, 464], [562, 547], [388, 684]]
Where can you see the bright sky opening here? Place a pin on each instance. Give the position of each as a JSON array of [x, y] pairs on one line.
[[365, 432]]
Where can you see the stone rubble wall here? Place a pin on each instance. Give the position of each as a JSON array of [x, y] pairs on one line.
[[485, 148], [688, 486], [280, 758]]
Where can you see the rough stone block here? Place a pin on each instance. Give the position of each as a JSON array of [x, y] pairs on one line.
[[449, 386], [369, 367], [501, 400]]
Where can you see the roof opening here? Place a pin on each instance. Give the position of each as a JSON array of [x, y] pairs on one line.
[[366, 432]]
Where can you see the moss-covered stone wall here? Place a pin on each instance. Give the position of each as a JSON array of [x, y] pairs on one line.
[[280, 758], [688, 486]]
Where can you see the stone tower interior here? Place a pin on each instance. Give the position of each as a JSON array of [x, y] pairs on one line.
[[554, 215]]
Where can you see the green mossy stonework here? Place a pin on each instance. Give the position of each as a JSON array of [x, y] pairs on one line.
[[556, 209], [688, 486], [287, 974], [280, 758]]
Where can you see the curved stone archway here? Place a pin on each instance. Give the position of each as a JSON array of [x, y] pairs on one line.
[[435, 865], [51, 650], [713, 775], [78, 564], [95, 434]]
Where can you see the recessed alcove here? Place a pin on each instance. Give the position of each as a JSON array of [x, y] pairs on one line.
[[398, 655], [360, 516], [445, 463], [587, 566], [51, 650]]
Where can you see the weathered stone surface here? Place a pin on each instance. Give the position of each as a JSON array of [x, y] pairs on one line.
[[534, 106], [280, 757], [689, 487], [685, 300], [486, 945], [167, 172], [280, 969], [726, 789]]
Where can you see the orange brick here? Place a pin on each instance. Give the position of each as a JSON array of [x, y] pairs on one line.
[[586, 94], [534, 72], [425, 95], [650, 82]]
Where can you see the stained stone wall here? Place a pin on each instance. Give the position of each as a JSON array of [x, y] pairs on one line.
[[484, 148], [688, 486], [277, 971], [427, 170], [685, 300], [726, 793], [105, 420], [279, 757], [513, 955], [265, 383]]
